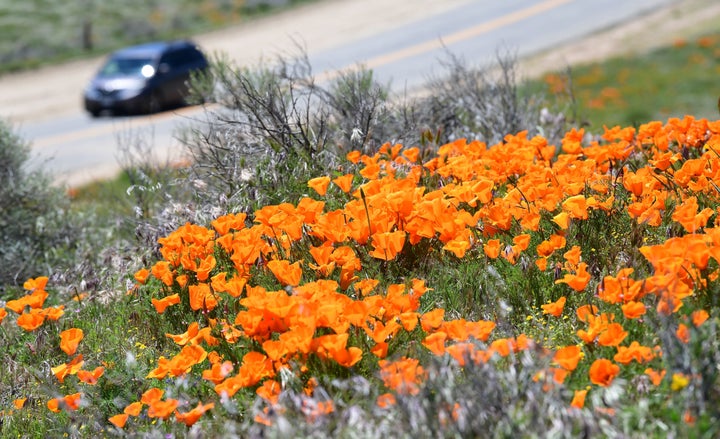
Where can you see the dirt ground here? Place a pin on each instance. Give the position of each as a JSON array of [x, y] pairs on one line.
[[54, 91]]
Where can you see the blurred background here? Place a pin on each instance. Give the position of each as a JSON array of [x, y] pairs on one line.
[[36, 32]]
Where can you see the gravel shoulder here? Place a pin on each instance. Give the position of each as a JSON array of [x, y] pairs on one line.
[[53, 92]]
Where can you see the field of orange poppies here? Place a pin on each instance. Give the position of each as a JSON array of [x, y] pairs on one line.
[[592, 265], [562, 284]]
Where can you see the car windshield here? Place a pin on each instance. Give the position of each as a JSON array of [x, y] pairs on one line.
[[128, 67]]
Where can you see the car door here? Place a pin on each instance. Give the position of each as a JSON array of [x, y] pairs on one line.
[[176, 66], [171, 77]]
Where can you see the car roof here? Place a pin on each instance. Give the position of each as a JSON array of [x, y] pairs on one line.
[[151, 50]]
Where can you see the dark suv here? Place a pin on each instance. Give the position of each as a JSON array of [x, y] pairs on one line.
[[144, 79]]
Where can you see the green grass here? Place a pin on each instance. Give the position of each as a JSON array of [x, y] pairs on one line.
[[627, 91]]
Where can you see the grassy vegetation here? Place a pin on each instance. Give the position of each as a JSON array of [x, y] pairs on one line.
[[627, 91], [301, 277]]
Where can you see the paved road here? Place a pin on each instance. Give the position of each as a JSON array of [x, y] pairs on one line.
[[403, 52]]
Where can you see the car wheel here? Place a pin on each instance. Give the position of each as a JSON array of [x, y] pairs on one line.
[[94, 113]]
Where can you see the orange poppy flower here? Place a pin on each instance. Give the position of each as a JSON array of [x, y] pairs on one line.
[[655, 376], [3, 314], [492, 248], [285, 272], [541, 263], [353, 157], [501, 346], [19, 403], [635, 351], [162, 304], [218, 372], [687, 215], [90, 377], [577, 281], [573, 255], [202, 297], [324, 265], [412, 154], [409, 320], [633, 310], [480, 330], [118, 420], [162, 409], [698, 317], [613, 335], [577, 206], [70, 402], [133, 409], [385, 400], [683, 333], [142, 275], [161, 270], [31, 320], [603, 372], [191, 417], [432, 320], [34, 300], [54, 312], [435, 342], [191, 336], [555, 309], [38, 283], [380, 350], [319, 185], [70, 339], [365, 286], [458, 246], [568, 357], [586, 310], [578, 400], [65, 369], [206, 265], [387, 245], [344, 182], [232, 221], [151, 395], [403, 375], [189, 356], [562, 219], [572, 141], [269, 391]]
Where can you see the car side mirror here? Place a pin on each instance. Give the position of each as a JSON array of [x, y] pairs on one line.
[[163, 68]]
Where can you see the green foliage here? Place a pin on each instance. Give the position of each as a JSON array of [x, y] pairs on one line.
[[627, 91], [33, 214]]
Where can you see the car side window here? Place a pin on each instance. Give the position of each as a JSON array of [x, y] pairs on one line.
[[171, 59], [183, 59]]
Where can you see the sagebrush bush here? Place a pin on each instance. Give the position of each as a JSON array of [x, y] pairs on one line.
[[33, 214]]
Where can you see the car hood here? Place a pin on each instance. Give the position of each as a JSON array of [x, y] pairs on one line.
[[111, 84]]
